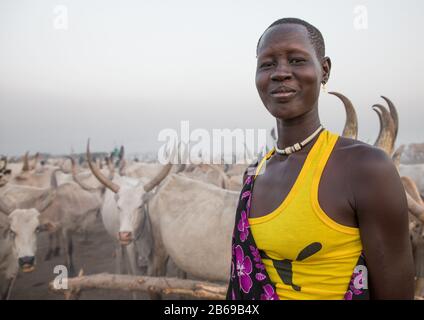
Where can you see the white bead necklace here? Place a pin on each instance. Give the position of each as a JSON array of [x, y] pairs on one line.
[[299, 145]]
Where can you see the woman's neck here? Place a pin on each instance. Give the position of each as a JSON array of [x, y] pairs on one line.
[[297, 129]]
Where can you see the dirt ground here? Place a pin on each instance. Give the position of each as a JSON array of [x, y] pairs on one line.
[[93, 255]]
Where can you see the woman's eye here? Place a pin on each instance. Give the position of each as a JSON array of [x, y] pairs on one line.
[[297, 61], [266, 64]]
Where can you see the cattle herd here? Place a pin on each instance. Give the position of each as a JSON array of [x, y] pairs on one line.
[[153, 213]]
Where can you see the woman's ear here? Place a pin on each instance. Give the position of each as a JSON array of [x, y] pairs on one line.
[[326, 68]]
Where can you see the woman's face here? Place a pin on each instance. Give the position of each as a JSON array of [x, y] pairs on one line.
[[289, 73]]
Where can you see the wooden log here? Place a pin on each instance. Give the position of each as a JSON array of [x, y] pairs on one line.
[[105, 281]]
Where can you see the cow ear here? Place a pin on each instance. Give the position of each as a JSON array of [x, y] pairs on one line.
[[48, 226]]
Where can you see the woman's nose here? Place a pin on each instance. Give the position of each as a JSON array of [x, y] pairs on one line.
[[281, 72]]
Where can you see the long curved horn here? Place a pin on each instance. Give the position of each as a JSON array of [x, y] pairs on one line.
[[393, 114], [122, 167], [350, 129], [81, 183], [25, 166], [53, 179], [396, 156], [121, 153], [36, 158], [98, 174], [159, 177], [162, 174], [385, 138]]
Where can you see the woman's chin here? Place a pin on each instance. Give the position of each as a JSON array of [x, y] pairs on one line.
[[282, 113]]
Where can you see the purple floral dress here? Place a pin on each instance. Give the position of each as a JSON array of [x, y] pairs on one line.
[[249, 279]]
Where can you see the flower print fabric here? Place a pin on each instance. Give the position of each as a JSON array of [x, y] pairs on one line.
[[249, 279]]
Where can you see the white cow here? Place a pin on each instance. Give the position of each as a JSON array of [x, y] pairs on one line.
[[195, 221], [18, 244], [124, 215], [67, 208]]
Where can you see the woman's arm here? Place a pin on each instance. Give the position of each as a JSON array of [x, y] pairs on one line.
[[382, 214]]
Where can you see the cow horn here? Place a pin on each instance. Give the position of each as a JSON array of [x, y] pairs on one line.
[[350, 129], [121, 153], [53, 178], [36, 158], [25, 166], [122, 167], [81, 183], [98, 174], [162, 174], [396, 156], [385, 138], [159, 177], [393, 114]]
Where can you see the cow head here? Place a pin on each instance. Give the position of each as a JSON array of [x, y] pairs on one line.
[[23, 229], [20, 228], [129, 198], [24, 226], [129, 203]]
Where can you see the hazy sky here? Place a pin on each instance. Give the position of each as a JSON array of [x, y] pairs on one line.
[[124, 70]]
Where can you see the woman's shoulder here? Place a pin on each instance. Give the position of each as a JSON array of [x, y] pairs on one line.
[[359, 149], [363, 157]]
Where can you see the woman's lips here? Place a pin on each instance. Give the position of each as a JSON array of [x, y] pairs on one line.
[[283, 95]]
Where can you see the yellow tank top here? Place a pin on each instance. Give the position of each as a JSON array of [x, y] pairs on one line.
[[306, 253]]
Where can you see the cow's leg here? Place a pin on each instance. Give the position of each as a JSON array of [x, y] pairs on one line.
[[131, 255], [68, 252], [57, 247], [50, 250], [181, 274], [9, 288], [157, 268], [118, 258], [131, 265]]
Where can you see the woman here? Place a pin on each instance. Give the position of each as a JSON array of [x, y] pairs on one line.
[[327, 218]]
